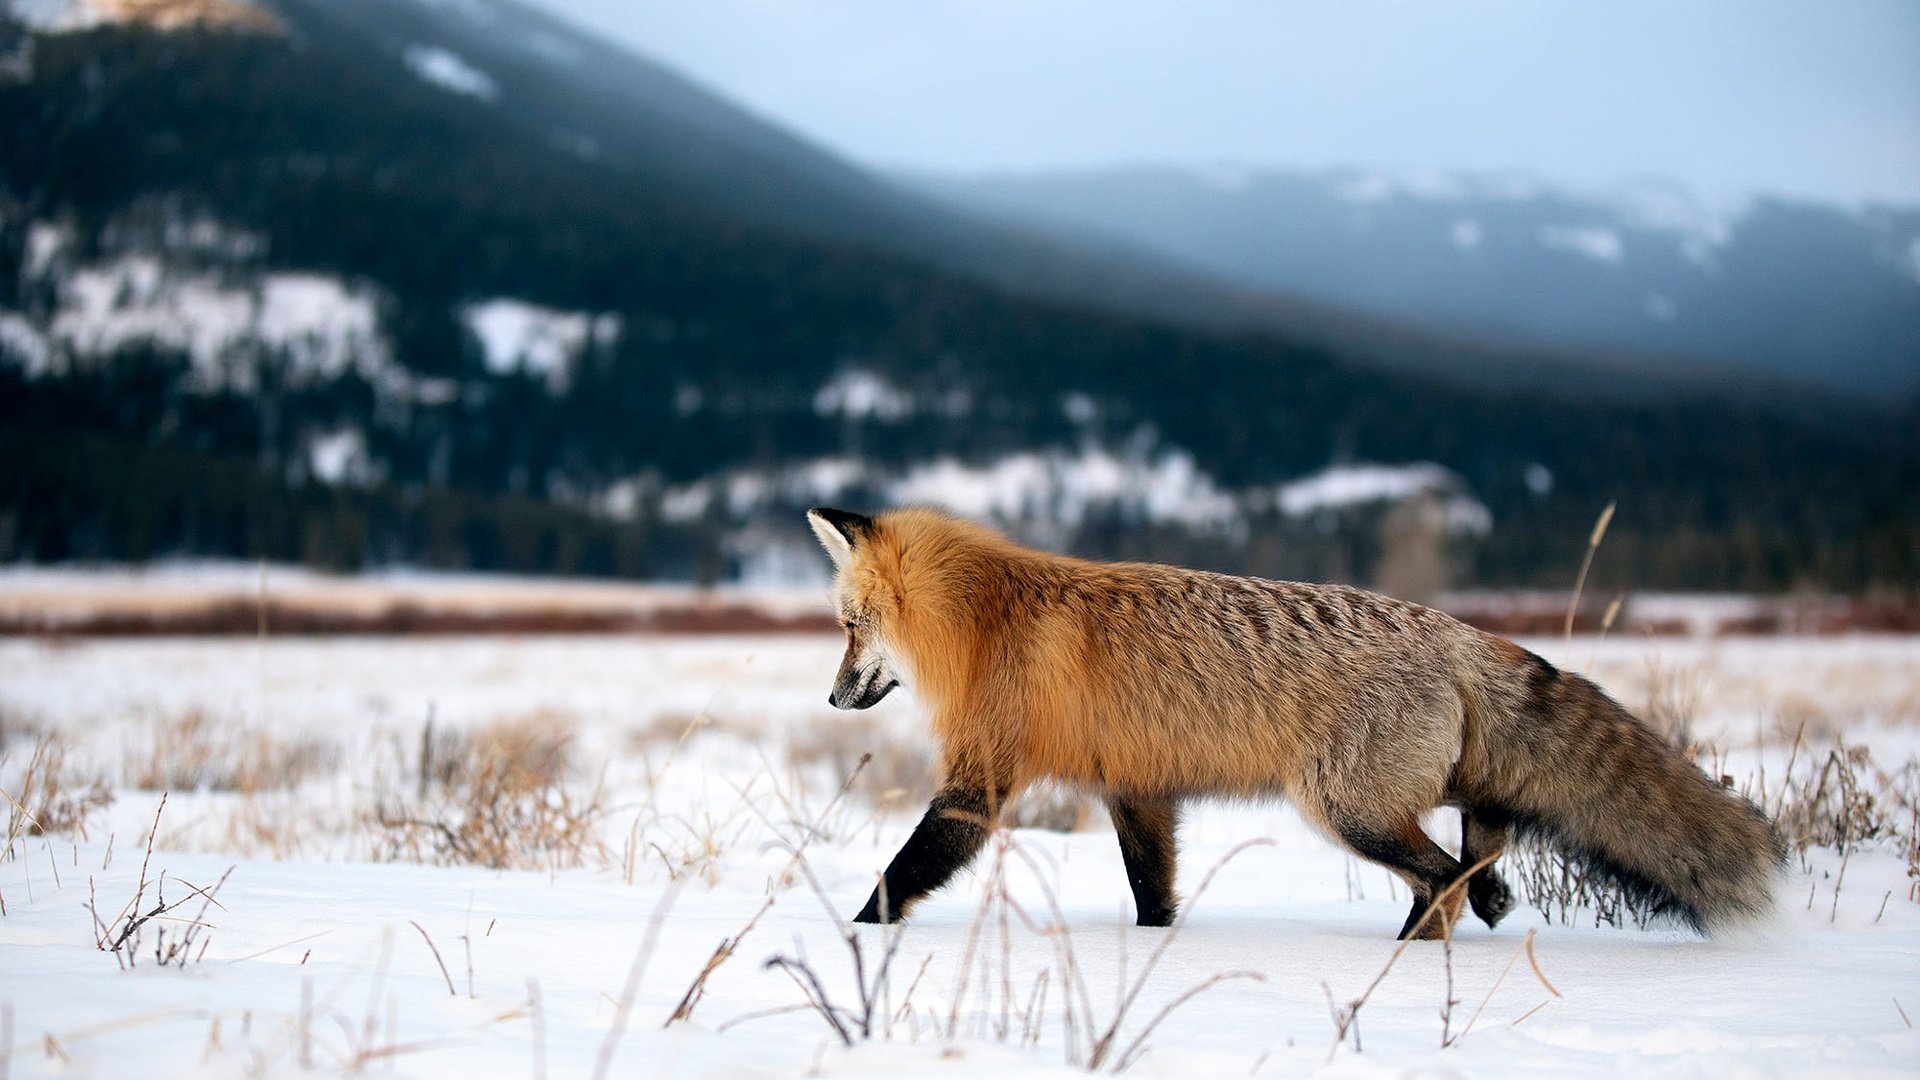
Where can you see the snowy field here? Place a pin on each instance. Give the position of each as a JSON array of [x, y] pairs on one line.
[[467, 857]]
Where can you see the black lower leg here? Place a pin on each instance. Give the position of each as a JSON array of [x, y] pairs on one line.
[[1145, 825], [1426, 869], [952, 831], [1483, 834]]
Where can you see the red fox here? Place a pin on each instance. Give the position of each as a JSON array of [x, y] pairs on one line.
[[1154, 684]]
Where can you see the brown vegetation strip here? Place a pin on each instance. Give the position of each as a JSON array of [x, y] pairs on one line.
[[1787, 617], [243, 618]]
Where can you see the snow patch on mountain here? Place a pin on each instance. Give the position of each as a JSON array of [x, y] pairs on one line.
[[1363, 188], [22, 344], [1345, 487], [516, 336], [45, 244], [181, 289], [1062, 489], [319, 327], [449, 71], [859, 394], [339, 456], [1050, 494], [1600, 245]]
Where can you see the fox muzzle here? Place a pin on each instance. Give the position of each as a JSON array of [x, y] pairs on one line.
[[862, 689]]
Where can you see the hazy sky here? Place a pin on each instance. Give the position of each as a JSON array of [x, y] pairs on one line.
[[1799, 97]]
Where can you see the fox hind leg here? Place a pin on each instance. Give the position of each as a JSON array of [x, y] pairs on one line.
[[1145, 825], [1484, 834], [1406, 850]]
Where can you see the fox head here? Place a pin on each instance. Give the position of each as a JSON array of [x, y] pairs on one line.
[[866, 611]]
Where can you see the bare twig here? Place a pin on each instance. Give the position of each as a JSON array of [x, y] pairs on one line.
[[1346, 1018], [1586, 564], [451, 992], [727, 946], [1133, 1050]]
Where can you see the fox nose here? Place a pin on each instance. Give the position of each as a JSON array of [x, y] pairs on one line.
[[831, 701]]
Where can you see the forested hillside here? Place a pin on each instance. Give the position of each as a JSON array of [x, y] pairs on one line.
[[288, 295]]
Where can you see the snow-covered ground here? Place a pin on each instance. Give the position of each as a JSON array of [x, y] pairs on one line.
[[699, 766]]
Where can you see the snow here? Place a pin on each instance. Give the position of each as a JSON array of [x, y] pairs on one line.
[[337, 456], [1467, 234], [45, 244], [1344, 486], [862, 395], [517, 336], [319, 326], [1665, 206], [1362, 188], [320, 958], [1600, 245], [1661, 307], [447, 70], [1062, 489], [24, 345]]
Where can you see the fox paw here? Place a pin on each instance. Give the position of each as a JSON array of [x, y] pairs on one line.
[[1490, 897]]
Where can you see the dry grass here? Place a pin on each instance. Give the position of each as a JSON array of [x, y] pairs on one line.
[[1673, 697], [900, 775], [993, 999], [174, 936], [53, 798], [1841, 796], [195, 751], [498, 797]]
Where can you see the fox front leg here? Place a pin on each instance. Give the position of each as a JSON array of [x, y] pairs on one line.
[[1145, 825], [951, 833]]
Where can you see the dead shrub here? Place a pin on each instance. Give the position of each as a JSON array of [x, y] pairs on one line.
[[1674, 694], [1843, 798], [53, 798], [900, 775], [193, 751], [497, 797]]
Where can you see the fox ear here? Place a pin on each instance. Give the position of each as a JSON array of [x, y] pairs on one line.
[[839, 531]]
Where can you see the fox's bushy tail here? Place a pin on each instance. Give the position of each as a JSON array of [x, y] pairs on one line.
[[1566, 763]]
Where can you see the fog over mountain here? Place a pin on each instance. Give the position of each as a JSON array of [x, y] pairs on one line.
[[1797, 290]]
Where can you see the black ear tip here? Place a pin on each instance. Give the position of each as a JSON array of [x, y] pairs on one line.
[[846, 522]]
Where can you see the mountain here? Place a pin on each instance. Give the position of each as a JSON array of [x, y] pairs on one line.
[[446, 282], [1789, 291]]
